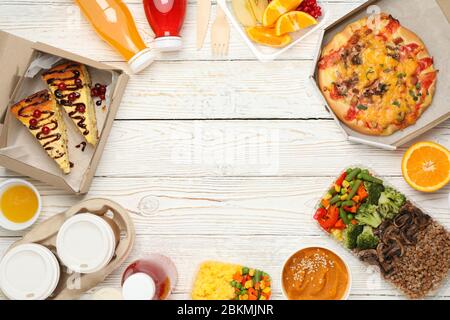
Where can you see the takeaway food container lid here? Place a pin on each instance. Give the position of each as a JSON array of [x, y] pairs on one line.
[[29, 272], [85, 243]]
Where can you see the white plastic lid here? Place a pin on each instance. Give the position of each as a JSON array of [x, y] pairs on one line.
[[167, 44], [142, 60], [29, 272], [139, 286], [85, 243]]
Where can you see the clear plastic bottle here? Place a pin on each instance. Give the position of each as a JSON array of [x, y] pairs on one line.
[[114, 23], [150, 278]]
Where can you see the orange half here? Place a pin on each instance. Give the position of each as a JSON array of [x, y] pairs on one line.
[[277, 8], [426, 166]]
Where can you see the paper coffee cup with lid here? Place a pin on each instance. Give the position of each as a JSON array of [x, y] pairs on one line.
[[29, 272], [86, 243]]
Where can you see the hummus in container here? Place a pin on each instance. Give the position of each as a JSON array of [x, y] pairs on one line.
[[315, 274]]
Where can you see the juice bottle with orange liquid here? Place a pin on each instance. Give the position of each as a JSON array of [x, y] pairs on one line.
[[114, 23]]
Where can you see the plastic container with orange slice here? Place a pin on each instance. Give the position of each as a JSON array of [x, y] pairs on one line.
[[270, 28]]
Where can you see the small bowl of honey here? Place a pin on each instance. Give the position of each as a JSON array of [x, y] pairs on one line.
[[20, 204]]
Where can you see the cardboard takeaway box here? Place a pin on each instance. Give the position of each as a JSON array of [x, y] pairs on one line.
[[430, 19], [21, 64]]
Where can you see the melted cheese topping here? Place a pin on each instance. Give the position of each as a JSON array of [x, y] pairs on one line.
[[388, 72]]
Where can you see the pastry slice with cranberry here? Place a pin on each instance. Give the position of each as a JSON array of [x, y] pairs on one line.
[[70, 83], [42, 116]]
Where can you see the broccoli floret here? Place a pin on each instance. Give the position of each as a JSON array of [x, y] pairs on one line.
[[367, 240], [390, 203], [350, 234], [367, 214], [374, 190]]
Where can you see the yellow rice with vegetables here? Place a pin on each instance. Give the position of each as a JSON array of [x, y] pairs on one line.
[[213, 281]]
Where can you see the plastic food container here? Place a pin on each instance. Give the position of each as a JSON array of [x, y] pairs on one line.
[[350, 280], [13, 226], [86, 243], [29, 272], [266, 53], [386, 183]]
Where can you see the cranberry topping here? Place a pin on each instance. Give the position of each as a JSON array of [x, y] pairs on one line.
[[45, 130], [78, 83], [33, 122], [72, 96], [62, 86], [102, 90], [94, 92], [81, 109], [37, 114]]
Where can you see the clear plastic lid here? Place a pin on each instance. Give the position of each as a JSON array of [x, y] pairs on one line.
[[29, 272]]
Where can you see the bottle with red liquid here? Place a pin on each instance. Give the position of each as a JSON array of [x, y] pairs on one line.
[[150, 278], [166, 18]]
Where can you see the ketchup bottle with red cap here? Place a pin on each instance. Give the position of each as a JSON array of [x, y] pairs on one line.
[[166, 18]]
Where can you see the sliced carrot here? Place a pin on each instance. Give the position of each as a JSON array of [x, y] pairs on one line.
[[362, 193]]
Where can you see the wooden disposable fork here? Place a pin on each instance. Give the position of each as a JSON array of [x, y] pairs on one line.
[[220, 34]]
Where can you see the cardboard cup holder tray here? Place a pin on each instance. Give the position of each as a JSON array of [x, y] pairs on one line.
[[72, 285]]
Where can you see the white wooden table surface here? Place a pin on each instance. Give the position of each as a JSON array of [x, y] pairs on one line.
[[217, 158]]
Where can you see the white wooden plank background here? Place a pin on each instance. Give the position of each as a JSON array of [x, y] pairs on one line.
[[227, 156]]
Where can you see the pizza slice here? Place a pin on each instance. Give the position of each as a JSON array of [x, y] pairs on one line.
[[70, 84], [42, 116]]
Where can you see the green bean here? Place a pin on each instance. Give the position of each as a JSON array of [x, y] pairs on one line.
[[355, 189], [350, 216], [332, 191], [353, 174], [335, 199], [257, 277], [349, 170], [338, 204], [369, 178], [348, 203], [344, 216]]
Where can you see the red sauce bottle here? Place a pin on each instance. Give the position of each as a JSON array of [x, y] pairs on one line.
[[149, 278], [166, 18]]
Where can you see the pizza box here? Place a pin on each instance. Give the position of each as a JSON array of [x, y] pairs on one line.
[[430, 20], [22, 63]]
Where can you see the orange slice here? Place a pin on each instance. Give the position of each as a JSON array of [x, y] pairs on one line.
[[294, 21], [268, 37], [426, 166], [276, 8]]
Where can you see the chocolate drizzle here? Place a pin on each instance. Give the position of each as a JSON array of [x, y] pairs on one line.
[[82, 145], [62, 96]]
